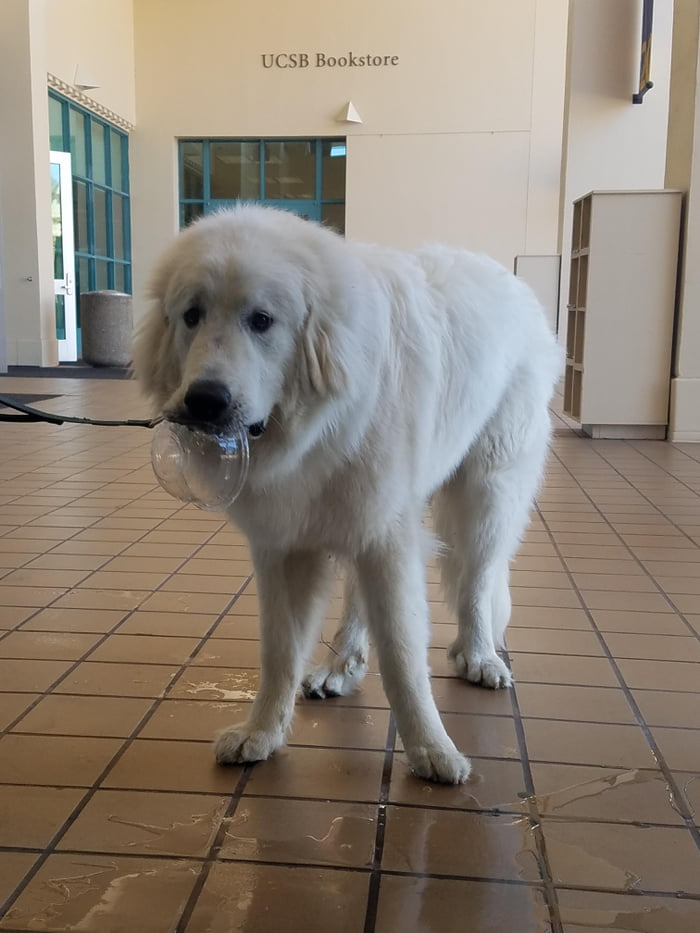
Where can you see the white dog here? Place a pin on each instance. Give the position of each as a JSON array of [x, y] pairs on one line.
[[372, 381]]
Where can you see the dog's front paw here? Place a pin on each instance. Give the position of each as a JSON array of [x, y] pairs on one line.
[[239, 744], [437, 763], [487, 670], [337, 678]]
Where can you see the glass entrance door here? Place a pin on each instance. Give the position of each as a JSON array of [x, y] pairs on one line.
[[63, 256]]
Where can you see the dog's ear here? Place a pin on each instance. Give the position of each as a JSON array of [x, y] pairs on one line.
[[322, 370], [154, 362]]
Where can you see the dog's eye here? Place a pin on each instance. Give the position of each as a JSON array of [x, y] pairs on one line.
[[259, 322], [192, 316]]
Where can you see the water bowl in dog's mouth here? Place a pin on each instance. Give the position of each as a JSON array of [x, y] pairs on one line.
[[208, 470]]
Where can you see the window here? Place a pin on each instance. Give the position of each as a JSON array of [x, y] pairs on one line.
[[100, 169], [306, 176]]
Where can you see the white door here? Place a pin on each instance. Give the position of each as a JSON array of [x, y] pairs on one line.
[[63, 256]]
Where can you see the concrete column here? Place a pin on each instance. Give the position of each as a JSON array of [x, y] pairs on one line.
[[683, 171], [25, 190]]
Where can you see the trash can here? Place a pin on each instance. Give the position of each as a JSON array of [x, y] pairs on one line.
[[106, 323]]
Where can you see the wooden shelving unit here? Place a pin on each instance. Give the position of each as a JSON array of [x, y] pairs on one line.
[[620, 314]]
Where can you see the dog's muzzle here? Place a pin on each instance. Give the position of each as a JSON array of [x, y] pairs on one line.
[[208, 405]]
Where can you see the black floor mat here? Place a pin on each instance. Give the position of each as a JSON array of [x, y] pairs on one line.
[[68, 371], [25, 399]]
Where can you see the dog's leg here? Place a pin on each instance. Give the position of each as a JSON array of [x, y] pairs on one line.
[[346, 661], [481, 514], [392, 580], [293, 591]]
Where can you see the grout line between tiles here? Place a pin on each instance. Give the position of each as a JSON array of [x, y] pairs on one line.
[[214, 849], [534, 815], [376, 872]]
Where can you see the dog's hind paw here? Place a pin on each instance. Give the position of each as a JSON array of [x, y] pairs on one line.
[[443, 765], [338, 678], [240, 744], [485, 670]]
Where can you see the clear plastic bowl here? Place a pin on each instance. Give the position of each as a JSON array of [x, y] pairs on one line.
[[208, 470]]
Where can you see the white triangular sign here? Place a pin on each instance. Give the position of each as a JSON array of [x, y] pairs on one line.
[[83, 80], [349, 114]]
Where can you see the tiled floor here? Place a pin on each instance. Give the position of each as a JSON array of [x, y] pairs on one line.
[[129, 636]]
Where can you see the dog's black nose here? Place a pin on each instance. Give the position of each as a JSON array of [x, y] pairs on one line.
[[207, 400]]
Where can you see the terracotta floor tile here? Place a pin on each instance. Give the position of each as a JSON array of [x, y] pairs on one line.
[[679, 747], [620, 795], [12, 705], [146, 823], [145, 649], [685, 603], [13, 867], [187, 602], [636, 602], [535, 596], [589, 912], [82, 562], [320, 725], [163, 766], [12, 616], [454, 695], [319, 773], [594, 704], [85, 715], [543, 617], [587, 743], [35, 596], [57, 646], [418, 905], [57, 761], [30, 816], [654, 647], [558, 669], [650, 623], [120, 680], [35, 676], [74, 620], [493, 784], [660, 675], [196, 720], [301, 832], [669, 709], [260, 898], [552, 642], [86, 892], [229, 653], [486, 736], [100, 599], [422, 842], [187, 624], [142, 564], [234, 625], [622, 857], [213, 683]]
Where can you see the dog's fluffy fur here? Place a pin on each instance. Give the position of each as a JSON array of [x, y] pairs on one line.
[[386, 380]]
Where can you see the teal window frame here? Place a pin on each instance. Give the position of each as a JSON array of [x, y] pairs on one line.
[[112, 136], [208, 204]]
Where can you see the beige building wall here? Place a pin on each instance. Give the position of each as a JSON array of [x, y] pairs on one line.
[[460, 139], [609, 142], [93, 41], [39, 37]]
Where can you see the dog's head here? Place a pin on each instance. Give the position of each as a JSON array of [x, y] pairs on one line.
[[245, 306]]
